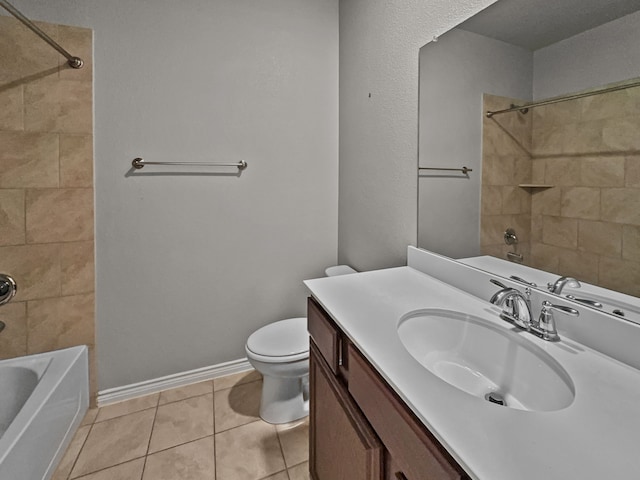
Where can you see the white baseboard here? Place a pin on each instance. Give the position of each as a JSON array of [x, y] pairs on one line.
[[127, 392]]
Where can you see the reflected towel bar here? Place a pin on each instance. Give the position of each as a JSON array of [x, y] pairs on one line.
[[464, 170], [138, 163]]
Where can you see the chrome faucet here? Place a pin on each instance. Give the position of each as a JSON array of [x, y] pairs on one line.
[[562, 282], [518, 312], [517, 309], [545, 326]]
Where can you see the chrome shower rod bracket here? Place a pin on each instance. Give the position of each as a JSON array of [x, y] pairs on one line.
[[74, 62]]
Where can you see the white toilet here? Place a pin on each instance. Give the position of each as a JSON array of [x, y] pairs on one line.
[[280, 352]]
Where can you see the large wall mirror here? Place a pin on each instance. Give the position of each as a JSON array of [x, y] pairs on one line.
[[564, 176]]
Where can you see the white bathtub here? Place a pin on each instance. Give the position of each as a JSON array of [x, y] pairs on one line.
[[43, 399]]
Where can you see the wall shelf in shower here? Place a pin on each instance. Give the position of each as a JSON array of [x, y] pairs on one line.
[[535, 185]]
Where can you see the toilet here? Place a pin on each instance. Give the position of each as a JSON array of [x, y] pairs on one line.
[[280, 352]]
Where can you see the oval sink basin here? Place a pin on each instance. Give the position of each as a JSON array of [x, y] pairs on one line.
[[486, 361]]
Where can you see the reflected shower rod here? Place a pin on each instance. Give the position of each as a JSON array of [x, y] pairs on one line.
[[74, 62], [524, 108]]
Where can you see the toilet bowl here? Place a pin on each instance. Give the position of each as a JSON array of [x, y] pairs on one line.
[[280, 352]]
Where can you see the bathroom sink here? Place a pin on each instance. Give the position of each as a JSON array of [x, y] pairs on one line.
[[485, 360]]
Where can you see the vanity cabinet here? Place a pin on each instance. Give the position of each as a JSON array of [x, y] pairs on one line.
[[359, 428]]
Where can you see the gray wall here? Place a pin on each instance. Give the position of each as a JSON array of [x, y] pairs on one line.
[[379, 44], [606, 54], [455, 72], [189, 265]]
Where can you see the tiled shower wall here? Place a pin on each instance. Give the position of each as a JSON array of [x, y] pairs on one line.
[[587, 224], [46, 190]]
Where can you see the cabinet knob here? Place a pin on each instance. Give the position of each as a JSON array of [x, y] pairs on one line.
[[401, 476]]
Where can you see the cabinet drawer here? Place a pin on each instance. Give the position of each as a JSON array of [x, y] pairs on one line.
[[342, 444], [416, 454], [324, 333]]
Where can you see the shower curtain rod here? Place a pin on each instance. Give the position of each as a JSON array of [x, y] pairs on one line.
[[74, 62], [526, 107]]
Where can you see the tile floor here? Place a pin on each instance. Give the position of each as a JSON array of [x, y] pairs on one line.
[[206, 431]]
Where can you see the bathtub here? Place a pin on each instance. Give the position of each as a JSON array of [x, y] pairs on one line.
[[43, 399]]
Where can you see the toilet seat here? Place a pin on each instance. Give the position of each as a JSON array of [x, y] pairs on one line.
[[279, 342]]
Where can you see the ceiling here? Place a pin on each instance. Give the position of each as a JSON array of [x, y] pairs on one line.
[[534, 24]]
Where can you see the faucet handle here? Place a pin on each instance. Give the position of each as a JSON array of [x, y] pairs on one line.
[[496, 282], [546, 326]]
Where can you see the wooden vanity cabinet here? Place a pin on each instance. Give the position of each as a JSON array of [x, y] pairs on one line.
[[359, 428]]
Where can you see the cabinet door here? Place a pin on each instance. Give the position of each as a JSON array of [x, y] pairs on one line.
[[343, 445]]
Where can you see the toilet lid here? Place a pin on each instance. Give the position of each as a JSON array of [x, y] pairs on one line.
[[280, 339]]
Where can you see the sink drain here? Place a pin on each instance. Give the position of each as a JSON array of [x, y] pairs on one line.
[[495, 397]]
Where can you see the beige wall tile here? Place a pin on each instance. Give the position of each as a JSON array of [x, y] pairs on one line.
[[580, 202], [621, 205], [621, 134], [608, 105], [580, 265], [60, 215], [492, 229], [561, 232], [603, 238], [115, 441], [36, 269], [491, 200], [77, 267], [621, 275], [12, 229], [522, 170], [54, 105], [602, 172], [79, 41], [545, 257], [546, 201], [536, 229], [191, 461], [25, 52], [13, 339], [632, 171], [549, 116], [28, 160], [631, 243], [60, 322], [76, 160], [538, 166], [498, 170], [522, 225], [562, 172], [584, 138], [511, 200], [182, 422], [12, 112]]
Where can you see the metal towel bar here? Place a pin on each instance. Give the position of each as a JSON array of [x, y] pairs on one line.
[[139, 163], [464, 170]]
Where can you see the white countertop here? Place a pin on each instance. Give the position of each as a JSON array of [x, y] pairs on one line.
[[596, 437]]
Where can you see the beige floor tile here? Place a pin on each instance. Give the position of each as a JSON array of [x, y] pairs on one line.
[[69, 458], [248, 452], [294, 438], [126, 471], [188, 391], [278, 476], [181, 422], [237, 406], [191, 461], [300, 472], [115, 441], [90, 416], [125, 408], [228, 381]]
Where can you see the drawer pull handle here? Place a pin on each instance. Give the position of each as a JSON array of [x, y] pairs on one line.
[[400, 476]]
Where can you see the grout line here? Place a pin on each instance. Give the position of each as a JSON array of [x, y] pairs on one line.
[[80, 451], [105, 468], [153, 424], [213, 405], [284, 460]]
